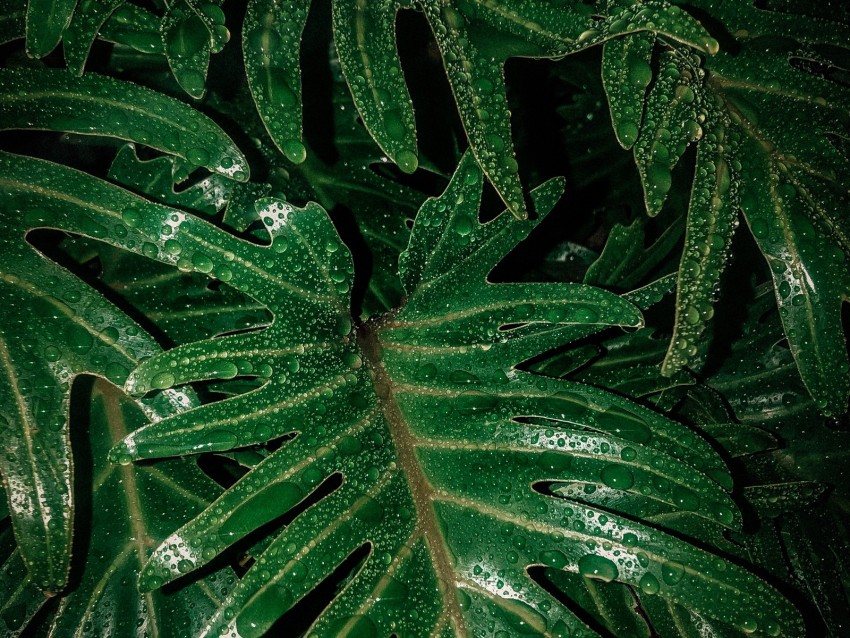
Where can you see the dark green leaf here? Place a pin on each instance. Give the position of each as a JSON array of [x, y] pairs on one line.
[[88, 18], [12, 20], [46, 20], [98, 105]]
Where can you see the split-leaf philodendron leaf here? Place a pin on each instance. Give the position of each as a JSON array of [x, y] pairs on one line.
[[743, 109], [271, 364], [418, 414]]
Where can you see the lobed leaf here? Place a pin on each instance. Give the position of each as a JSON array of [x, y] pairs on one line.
[[741, 106], [475, 40], [98, 105], [418, 429]]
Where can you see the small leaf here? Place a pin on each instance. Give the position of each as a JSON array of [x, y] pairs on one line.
[[364, 33], [20, 599], [12, 20], [134, 27], [626, 73], [711, 222], [271, 37], [670, 124]]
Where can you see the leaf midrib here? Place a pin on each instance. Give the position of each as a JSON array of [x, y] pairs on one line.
[[421, 489]]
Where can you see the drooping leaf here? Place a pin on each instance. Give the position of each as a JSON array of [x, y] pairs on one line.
[[474, 39], [271, 43], [88, 18], [12, 20], [135, 27], [744, 105], [98, 105], [186, 41], [626, 73]]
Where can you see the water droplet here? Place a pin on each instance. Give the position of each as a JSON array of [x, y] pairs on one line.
[[649, 584], [672, 572], [198, 156], [597, 568], [469, 403], [163, 381], [407, 161], [294, 150], [463, 225], [617, 477], [554, 558], [131, 217]]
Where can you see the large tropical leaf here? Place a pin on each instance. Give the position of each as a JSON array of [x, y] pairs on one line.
[[447, 456], [475, 40], [741, 108]]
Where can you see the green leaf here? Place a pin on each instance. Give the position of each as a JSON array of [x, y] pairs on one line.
[[134, 507], [624, 261], [98, 105], [744, 107], [134, 27], [365, 38], [12, 20], [186, 41], [474, 39], [46, 21], [398, 410], [62, 329], [711, 222], [88, 18], [626, 73], [270, 43], [20, 599]]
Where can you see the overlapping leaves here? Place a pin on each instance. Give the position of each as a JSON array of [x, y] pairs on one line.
[[475, 40], [55, 327], [745, 110], [388, 414]]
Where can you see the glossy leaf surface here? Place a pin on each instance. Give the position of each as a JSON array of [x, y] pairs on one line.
[[741, 109], [474, 39], [412, 402], [98, 105]]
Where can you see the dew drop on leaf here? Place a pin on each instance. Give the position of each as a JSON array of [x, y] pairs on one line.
[[163, 380], [597, 568], [672, 572], [617, 477], [649, 584]]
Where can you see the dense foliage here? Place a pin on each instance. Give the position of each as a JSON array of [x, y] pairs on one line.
[[283, 350]]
